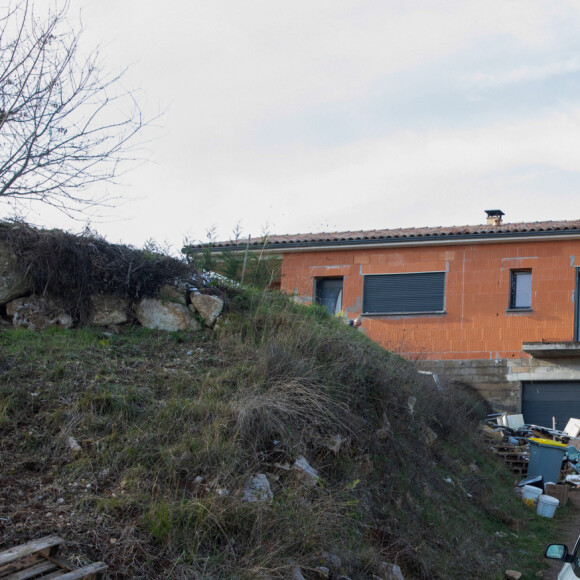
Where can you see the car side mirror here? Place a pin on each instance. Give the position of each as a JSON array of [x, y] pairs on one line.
[[557, 552]]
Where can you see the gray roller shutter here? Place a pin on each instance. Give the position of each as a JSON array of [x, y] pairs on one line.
[[543, 400], [404, 293]]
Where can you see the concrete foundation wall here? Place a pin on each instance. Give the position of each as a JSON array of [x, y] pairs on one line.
[[500, 381]]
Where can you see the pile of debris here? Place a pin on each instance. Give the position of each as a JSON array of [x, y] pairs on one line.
[[546, 459]]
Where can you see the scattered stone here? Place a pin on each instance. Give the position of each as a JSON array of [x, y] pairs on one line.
[[322, 572], [108, 310], [331, 560], [209, 307], [389, 571], [258, 489], [297, 573], [73, 445], [429, 436], [306, 473], [512, 575], [159, 315]]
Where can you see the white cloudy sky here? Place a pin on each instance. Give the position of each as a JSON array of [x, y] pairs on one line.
[[326, 115]]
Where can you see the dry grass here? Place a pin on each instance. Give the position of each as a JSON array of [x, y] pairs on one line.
[[172, 426]]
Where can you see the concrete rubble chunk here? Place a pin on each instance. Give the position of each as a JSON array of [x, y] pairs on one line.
[[257, 489], [209, 307], [12, 283], [306, 473], [390, 571], [159, 315], [108, 310], [37, 313]]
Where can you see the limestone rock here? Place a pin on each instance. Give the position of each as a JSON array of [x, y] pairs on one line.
[[390, 571], [107, 310], [513, 575], [297, 573], [322, 572], [209, 307], [37, 313], [306, 473], [12, 283], [159, 315], [176, 292], [258, 489]]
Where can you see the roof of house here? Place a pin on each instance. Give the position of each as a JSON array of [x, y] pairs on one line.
[[426, 234]]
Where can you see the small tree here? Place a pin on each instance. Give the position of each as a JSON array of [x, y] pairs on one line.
[[64, 123]]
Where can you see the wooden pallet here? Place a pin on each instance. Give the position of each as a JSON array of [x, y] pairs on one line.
[[512, 457], [39, 559]]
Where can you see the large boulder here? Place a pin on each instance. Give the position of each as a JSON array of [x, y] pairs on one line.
[[108, 310], [37, 313], [209, 307], [160, 315], [12, 283]]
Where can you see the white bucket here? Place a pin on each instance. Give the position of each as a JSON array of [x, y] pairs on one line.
[[547, 506], [531, 495]]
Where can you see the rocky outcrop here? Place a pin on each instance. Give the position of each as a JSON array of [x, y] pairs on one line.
[[12, 283], [172, 307], [159, 315], [108, 310], [37, 313], [176, 292], [209, 307]]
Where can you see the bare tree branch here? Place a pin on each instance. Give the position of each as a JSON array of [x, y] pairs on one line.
[[64, 123]]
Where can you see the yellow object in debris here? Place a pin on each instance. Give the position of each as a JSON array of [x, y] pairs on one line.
[[547, 442]]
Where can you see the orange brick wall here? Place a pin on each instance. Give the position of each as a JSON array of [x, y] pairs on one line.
[[476, 325]]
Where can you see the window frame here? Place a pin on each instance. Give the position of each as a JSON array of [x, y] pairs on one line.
[[513, 292], [403, 312]]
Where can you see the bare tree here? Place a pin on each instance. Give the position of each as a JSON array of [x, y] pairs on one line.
[[64, 122]]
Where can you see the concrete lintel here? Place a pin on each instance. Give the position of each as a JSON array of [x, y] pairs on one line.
[[552, 349]]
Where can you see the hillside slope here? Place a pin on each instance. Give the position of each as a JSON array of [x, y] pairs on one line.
[[136, 447]]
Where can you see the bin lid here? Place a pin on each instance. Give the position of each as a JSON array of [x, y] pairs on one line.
[[549, 500], [548, 442]]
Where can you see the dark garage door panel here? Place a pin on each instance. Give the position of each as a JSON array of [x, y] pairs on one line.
[[543, 400]]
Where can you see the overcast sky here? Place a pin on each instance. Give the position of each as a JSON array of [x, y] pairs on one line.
[[326, 115]]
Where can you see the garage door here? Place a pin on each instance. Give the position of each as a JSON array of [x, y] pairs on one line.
[[543, 400]]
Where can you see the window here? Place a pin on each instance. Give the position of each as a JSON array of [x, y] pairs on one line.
[[422, 292], [521, 290], [328, 292]]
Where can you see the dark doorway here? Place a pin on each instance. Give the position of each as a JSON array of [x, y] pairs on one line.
[[328, 292]]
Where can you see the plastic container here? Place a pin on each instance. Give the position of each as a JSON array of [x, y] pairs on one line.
[[531, 495], [546, 458], [547, 506]]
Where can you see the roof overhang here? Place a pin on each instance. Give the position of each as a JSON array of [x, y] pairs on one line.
[[552, 349]]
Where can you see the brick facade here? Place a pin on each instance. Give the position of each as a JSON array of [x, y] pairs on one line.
[[476, 324]]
